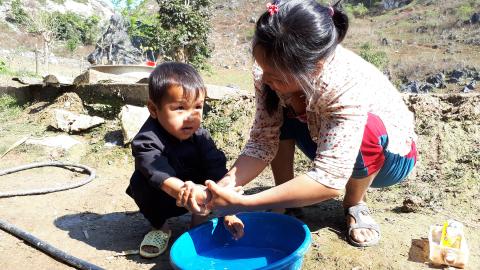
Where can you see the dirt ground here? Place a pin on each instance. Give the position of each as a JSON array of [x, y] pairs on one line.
[[98, 221]]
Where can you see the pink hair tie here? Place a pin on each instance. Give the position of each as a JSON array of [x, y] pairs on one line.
[[272, 8], [331, 11]]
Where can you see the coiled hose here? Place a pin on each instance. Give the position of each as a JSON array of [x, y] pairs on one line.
[[34, 241]]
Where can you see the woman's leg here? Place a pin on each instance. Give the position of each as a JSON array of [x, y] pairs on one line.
[[282, 164], [375, 167], [355, 192]]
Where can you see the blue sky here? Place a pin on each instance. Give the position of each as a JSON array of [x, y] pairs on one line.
[[122, 2]]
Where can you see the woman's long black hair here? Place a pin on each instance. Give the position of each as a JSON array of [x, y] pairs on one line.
[[297, 37]]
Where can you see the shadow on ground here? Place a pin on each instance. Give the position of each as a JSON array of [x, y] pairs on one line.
[[117, 232]]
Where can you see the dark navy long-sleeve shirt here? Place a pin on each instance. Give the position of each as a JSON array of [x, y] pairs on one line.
[[158, 156]]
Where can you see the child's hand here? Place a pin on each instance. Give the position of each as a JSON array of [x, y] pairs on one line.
[[234, 225], [194, 197]]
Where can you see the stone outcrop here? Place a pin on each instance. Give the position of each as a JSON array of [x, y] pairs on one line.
[[115, 47], [131, 120], [72, 123]]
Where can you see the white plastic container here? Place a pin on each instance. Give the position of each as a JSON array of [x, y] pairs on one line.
[[439, 254]]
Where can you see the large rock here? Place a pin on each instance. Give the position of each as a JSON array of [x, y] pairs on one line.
[[131, 120], [391, 4], [71, 122], [115, 45]]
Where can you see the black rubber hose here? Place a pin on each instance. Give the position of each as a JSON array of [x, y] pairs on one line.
[[34, 241], [47, 248], [47, 190]]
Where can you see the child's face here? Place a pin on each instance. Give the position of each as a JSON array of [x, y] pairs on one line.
[[278, 81], [178, 116]]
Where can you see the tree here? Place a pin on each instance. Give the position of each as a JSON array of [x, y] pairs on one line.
[[44, 24], [184, 27], [143, 27]]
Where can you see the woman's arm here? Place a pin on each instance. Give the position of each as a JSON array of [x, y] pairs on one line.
[[300, 191], [244, 170]]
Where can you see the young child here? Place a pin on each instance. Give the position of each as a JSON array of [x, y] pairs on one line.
[[170, 149]]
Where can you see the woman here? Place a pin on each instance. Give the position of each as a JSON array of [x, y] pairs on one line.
[[340, 110]]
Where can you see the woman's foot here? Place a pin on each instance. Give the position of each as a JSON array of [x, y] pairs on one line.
[[363, 231]]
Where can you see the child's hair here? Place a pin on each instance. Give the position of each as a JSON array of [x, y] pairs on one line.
[[297, 36], [170, 74]]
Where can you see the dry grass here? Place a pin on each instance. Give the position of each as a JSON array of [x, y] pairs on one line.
[[423, 39]]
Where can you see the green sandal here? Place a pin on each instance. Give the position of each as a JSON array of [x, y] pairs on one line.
[[155, 238]]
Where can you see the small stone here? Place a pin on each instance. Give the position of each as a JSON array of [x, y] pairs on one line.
[[390, 220], [412, 204]]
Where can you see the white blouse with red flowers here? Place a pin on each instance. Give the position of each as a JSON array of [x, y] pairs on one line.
[[346, 90]]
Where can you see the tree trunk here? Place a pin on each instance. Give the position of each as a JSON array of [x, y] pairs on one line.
[[46, 53]]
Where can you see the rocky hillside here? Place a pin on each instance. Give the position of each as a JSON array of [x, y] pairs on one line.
[[101, 8], [423, 45]]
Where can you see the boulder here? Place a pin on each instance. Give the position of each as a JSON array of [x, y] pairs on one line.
[[131, 120], [437, 80], [115, 45], [71, 122]]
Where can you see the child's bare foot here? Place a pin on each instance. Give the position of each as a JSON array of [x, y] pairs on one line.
[[235, 226]]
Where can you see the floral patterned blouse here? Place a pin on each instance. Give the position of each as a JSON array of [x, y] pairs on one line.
[[347, 89]]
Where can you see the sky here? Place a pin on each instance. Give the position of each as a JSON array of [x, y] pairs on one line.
[[122, 3]]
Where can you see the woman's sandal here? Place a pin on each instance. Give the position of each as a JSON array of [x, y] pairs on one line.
[[155, 238], [363, 220]]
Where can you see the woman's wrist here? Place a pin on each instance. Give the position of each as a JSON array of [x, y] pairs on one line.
[[227, 181], [247, 202]]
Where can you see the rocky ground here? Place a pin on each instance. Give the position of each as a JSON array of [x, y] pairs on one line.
[[98, 222]]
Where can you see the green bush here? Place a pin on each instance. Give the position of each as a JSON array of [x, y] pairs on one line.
[[228, 122], [71, 26], [20, 16], [465, 11], [377, 58], [72, 44], [3, 67], [358, 10]]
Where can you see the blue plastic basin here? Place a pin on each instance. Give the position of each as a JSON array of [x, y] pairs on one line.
[[271, 241]]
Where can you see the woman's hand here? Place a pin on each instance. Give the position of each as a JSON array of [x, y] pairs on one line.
[[225, 200]]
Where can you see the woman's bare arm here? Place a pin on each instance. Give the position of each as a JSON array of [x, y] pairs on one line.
[[299, 191], [244, 170]]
